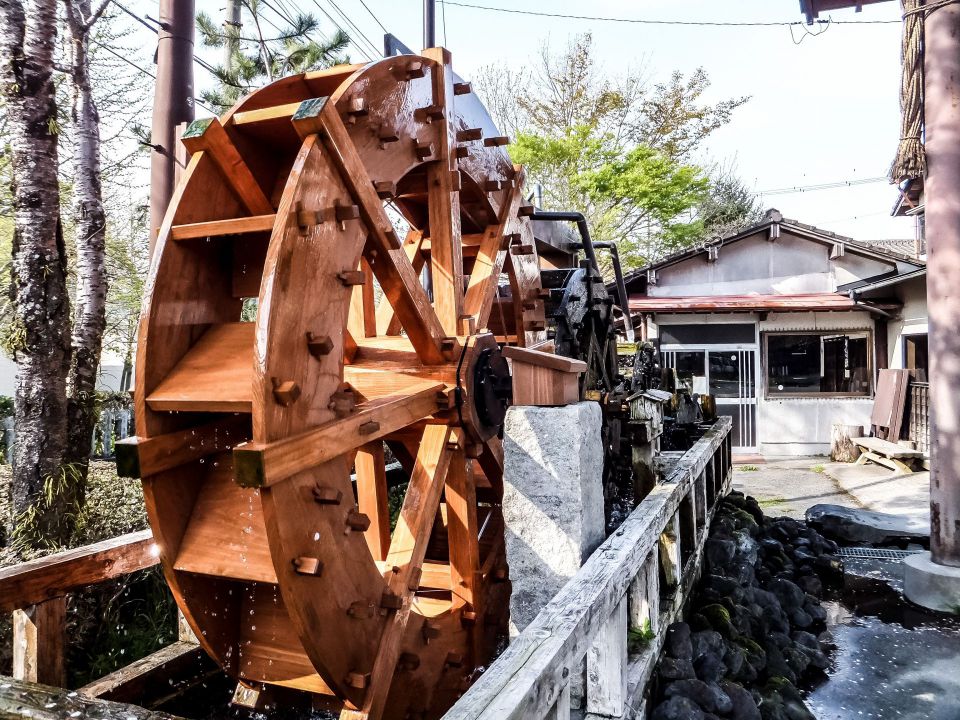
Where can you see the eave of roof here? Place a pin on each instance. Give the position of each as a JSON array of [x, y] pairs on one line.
[[808, 302], [795, 227], [884, 282]]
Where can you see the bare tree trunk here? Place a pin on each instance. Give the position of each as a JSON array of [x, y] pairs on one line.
[[43, 495], [91, 297]]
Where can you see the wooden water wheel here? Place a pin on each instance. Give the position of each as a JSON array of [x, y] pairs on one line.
[[261, 444]]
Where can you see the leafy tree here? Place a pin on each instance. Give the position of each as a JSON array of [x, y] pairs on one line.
[[254, 60], [612, 147], [728, 206]]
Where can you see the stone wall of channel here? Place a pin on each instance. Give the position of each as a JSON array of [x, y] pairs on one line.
[[755, 629]]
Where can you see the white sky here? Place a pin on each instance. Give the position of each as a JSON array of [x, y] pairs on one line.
[[824, 110]]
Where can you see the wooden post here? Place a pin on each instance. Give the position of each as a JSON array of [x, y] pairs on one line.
[[38, 642], [561, 708], [670, 550], [607, 666], [644, 596], [842, 447]]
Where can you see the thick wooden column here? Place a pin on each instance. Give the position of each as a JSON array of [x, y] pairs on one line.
[[443, 187]]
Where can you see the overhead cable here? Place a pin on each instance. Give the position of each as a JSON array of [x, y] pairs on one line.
[[648, 21]]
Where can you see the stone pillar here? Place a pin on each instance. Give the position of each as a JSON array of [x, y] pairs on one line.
[[552, 500], [933, 580]]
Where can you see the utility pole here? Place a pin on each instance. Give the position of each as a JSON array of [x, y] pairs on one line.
[[172, 102], [933, 579], [231, 24], [429, 23]]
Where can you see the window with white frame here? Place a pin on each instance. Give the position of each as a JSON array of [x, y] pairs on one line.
[[834, 363]]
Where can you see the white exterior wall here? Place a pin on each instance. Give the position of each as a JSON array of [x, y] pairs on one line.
[[754, 265], [801, 426], [792, 426], [911, 321]]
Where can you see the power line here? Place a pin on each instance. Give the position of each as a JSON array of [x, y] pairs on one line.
[[823, 186], [376, 50], [360, 46], [643, 21], [382, 26]]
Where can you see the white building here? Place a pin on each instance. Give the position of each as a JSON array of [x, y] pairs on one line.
[[786, 326]]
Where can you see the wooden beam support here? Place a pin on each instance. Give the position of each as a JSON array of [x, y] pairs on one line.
[[265, 464], [39, 642], [387, 321], [390, 264], [443, 203], [155, 677], [372, 497], [36, 581], [139, 457], [219, 228], [209, 136], [481, 289], [407, 551]]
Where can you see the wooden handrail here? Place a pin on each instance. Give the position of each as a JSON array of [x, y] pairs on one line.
[[618, 587], [56, 575]]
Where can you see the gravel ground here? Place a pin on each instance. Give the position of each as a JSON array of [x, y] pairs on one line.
[[789, 486]]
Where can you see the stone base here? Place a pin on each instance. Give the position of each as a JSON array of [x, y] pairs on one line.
[[552, 500], [930, 585]]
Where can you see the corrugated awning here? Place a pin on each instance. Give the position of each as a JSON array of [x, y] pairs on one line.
[[810, 302]]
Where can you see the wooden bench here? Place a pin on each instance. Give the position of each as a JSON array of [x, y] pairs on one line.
[[888, 454]]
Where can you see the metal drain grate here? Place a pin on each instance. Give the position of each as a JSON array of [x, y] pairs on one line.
[[875, 553]]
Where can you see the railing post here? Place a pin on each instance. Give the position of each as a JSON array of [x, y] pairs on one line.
[[644, 597], [38, 642], [669, 546], [561, 708], [607, 667]]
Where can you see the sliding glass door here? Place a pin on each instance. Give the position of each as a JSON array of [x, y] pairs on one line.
[[728, 373]]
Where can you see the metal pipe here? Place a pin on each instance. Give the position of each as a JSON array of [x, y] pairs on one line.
[[942, 141], [588, 247], [429, 23], [574, 217], [621, 288], [172, 102]]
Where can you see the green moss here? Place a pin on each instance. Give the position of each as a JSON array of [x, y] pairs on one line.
[[747, 468]]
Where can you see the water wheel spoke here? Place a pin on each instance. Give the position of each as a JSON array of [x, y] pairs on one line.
[[393, 269], [408, 548]]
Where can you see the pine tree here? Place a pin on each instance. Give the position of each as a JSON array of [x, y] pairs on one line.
[[256, 58]]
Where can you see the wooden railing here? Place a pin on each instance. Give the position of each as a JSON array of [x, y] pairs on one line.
[[635, 581], [36, 593]]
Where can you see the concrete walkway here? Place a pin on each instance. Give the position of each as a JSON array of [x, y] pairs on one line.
[[884, 490], [788, 486]]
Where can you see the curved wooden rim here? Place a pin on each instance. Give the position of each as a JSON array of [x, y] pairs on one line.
[[329, 370]]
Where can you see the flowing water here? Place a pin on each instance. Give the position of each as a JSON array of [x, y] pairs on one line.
[[893, 660]]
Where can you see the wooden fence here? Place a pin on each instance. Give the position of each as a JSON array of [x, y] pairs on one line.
[[576, 651], [36, 593], [113, 423], [918, 415]]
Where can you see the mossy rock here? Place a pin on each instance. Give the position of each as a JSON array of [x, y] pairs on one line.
[[719, 618]]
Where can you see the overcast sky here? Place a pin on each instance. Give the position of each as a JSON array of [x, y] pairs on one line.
[[824, 109]]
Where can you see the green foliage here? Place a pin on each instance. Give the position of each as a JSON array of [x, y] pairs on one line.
[[256, 59], [623, 190], [639, 637], [617, 149], [114, 623]]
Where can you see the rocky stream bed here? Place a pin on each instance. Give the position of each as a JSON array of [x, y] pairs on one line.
[[755, 631]]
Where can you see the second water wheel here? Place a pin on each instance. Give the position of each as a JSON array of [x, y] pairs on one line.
[[263, 444]]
